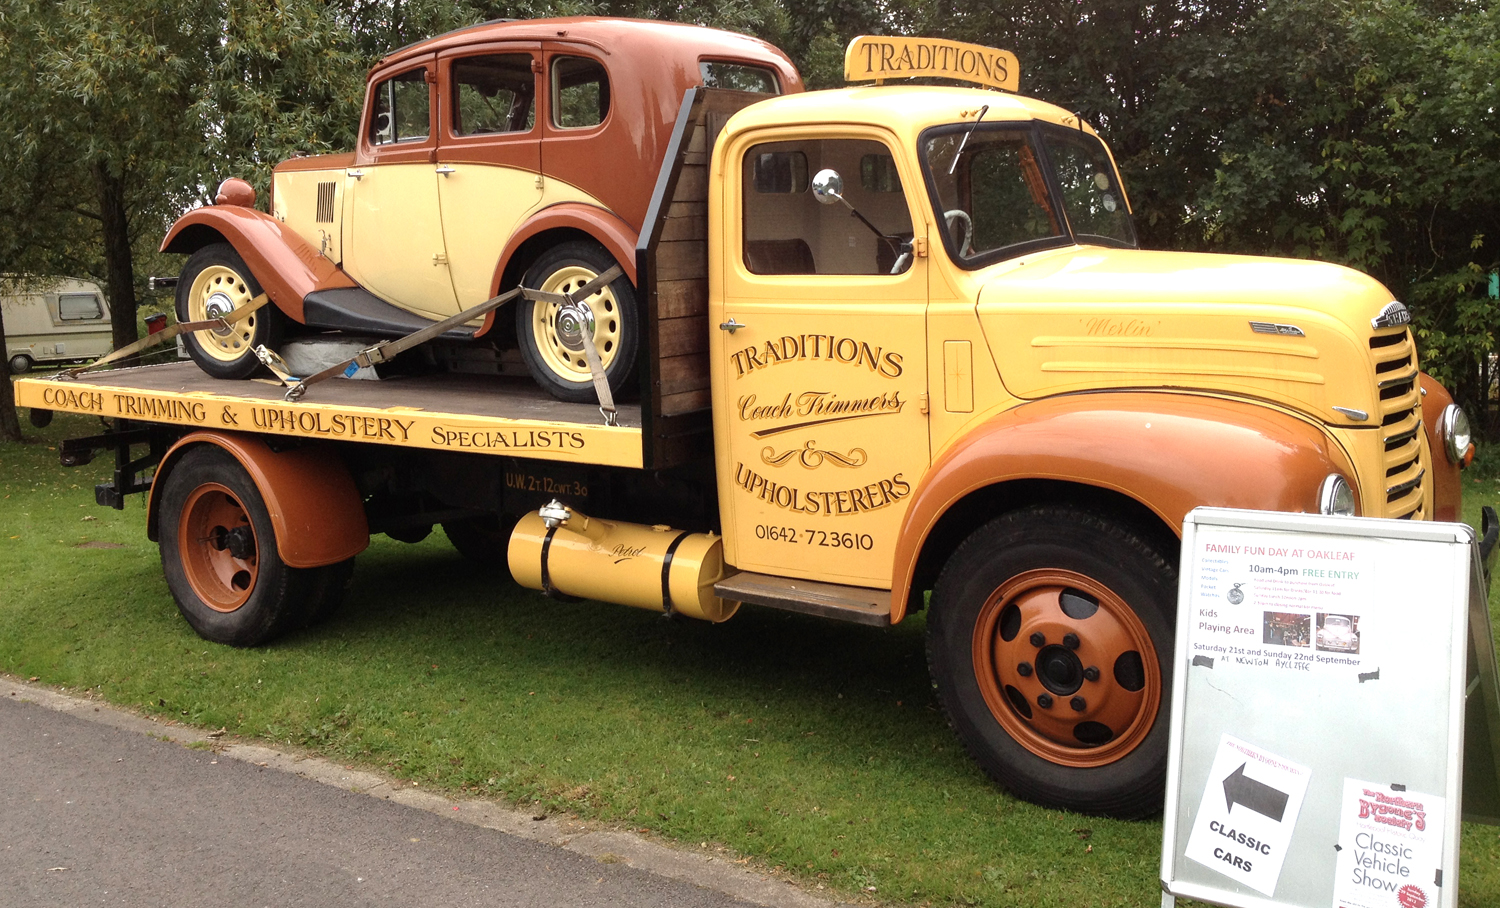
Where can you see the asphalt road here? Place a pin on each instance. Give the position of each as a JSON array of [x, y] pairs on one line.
[[95, 815]]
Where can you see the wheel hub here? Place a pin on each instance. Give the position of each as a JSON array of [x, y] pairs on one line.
[[574, 323], [1059, 670], [219, 305]]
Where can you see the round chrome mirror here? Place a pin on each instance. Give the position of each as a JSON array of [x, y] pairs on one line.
[[828, 186]]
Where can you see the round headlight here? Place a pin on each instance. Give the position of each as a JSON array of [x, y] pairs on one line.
[[1454, 427], [1335, 497]]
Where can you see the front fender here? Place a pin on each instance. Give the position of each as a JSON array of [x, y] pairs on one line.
[[287, 266], [1447, 486], [1168, 452]]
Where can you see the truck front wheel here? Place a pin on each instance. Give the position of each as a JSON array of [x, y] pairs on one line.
[[214, 283], [218, 551], [550, 336], [1050, 646]]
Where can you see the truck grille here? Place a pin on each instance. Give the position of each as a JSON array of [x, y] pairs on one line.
[[1395, 358]]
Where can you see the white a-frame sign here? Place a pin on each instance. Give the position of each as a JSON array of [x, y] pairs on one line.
[[1334, 714]]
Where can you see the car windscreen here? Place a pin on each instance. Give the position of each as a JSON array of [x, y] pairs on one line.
[[1090, 187]]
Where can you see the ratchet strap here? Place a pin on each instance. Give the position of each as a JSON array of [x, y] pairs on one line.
[[166, 334]]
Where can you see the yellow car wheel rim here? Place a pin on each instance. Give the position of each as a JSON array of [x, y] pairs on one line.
[[217, 291], [564, 363]]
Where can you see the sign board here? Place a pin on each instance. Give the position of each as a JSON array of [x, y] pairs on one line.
[[881, 57], [1323, 669]]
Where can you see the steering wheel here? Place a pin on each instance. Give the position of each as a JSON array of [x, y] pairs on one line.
[[962, 217]]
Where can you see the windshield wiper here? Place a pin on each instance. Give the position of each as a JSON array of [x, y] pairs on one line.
[[962, 145]]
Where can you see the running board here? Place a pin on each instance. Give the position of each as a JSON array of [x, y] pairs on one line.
[[857, 604], [358, 311]]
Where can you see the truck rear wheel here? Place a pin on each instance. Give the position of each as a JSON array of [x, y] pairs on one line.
[[1050, 646], [215, 282], [218, 551], [484, 541], [549, 337]]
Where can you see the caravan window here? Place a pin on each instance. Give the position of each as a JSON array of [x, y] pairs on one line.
[[78, 306]]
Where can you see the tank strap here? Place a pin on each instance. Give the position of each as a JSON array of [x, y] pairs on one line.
[[666, 573], [164, 335]]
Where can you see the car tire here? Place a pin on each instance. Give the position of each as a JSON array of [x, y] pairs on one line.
[[20, 364], [219, 555], [545, 343], [216, 281], [1050, 646]]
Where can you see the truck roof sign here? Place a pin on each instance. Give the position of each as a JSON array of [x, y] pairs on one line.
[[881, 57]]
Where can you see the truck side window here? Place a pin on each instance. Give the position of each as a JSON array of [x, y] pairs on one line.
[[402, 111], [493, 93], [786, 229], [77, 306], [580, 92], [739, 76]]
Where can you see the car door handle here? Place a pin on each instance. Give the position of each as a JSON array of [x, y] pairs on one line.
[[445, 170], [731, 326], [357, 174]]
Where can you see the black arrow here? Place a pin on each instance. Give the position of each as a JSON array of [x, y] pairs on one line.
[[1258, 796]]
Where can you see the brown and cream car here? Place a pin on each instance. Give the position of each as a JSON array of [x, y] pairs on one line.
[[508, 152]]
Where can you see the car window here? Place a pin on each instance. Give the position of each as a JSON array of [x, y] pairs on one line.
[[402, 110], [739, 76], [580, 92], [788, 231], [74, 306], [493, 93], [990, 190]]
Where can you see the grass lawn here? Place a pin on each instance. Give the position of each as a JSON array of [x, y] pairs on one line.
[[810, 746]]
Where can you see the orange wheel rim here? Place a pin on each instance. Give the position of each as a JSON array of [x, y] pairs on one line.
[[219, 548], [1067, 668]]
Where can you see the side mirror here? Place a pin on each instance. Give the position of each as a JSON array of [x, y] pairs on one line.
[[828, 186]]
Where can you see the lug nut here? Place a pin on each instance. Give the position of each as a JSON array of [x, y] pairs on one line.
[[1070, 641], [1024, 669], [1078, 704], [1044, 701], [1091, 673], [1038, 639]]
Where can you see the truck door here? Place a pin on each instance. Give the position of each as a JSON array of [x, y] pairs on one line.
[[489, 156], [393, 238], [820, 414]]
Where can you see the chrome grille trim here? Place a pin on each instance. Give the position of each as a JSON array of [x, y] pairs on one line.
[[1399, 406]]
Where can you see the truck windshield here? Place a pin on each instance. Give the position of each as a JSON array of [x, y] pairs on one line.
[[994, 198]]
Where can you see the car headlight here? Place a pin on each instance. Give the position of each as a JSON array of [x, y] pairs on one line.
[[1335, 497], [1456, 432]]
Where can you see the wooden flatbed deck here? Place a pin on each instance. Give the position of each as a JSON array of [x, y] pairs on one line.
[[449, 412]]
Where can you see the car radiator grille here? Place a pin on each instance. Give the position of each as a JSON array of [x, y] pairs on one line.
[[1394, 354]]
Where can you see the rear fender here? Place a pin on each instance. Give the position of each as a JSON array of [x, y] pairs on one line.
[[1168, 453], [567, 220], [315, 509], [287, 266]]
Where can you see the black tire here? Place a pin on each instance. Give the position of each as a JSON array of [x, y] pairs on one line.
[[483, 540], [329, 589], [20, 364], [216, 281], [218, 551], [564, 373], [1084, 726]]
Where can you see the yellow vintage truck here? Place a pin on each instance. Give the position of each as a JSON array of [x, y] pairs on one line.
[[900, 351]]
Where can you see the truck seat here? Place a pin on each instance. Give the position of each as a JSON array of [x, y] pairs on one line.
[[779, 257]]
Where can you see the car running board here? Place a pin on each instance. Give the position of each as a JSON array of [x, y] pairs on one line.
[[857, 604], [358, 311]]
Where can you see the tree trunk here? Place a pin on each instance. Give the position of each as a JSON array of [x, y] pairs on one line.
[[10, 423], [118, 267]]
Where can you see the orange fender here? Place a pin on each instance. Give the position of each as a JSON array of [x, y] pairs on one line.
[[1169, 452], [1447, 486], [287, 266], [602, 225], [315, 509]]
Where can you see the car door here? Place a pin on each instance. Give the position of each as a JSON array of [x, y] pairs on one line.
[[489, 156], [820, 374], [393, 231]]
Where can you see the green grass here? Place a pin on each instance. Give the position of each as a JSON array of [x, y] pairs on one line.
[[810, 746]]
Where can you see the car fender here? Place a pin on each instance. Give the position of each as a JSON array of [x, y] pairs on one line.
[[1447, 486], [1169, 452], [317, 512], [287, 266], [600, 224]]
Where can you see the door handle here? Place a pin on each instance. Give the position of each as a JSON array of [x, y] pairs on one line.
[[445, 170], [357, 174], [731, 326]]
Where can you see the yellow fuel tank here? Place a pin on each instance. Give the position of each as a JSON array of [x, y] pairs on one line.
[[650, 567]]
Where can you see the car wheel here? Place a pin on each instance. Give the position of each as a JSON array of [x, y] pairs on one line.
[[1050, 645], [215, 281], [550, 339], [218, 552], [20, 364]]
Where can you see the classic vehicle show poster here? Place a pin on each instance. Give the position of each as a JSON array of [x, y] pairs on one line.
[[1390, 847], [1306, 604]]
